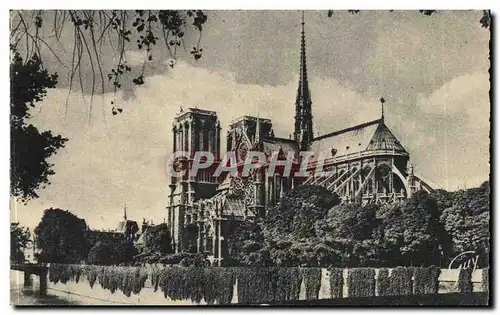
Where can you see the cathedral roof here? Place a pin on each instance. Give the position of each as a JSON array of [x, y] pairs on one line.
[[271, 145], [369, 136], [384, 139], [127, 226]]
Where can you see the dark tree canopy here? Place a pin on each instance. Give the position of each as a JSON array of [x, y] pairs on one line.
[[20, 238], [467, 221], [103, 253], [107, 253], [60, 236], [30, 148], [417, 232], [421, 230], [298, 211], [157, 239]]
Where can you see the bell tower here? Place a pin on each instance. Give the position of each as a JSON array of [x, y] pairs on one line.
[[193, 130]]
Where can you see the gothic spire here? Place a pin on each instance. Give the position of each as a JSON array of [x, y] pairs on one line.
[[303, 115], [124, 212], [382, 101], [257, 130]]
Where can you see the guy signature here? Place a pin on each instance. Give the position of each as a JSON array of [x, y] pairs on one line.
[[470, 262]]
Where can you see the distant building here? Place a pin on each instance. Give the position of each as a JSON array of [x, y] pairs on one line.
[[126, 230]]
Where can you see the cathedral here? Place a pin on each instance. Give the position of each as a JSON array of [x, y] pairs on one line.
[[364, 163]]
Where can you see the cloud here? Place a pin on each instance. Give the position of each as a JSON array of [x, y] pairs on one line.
[[449, 132], [111, 160]]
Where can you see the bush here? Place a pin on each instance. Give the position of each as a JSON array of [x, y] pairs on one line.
[[288, 284], [383, 282], [400, 282], [361, 282], [486, 280], [465, 280], [103, 254], [312, 282], [336, 282], [256, 285], [195, 283], [426, 280], [224, 285]]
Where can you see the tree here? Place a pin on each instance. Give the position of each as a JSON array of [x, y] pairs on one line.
[[296, 214], [189, 238], [103, 253], [124, 30], [422, 231], [351, 231], [20, 238], [392, 232], [485, 20], [287, 236], [157, 239], [30, 148], [246, 239], [125, 252], [60, 236], [468, 222]]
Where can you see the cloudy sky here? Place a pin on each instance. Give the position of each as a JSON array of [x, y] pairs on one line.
[[432, 71]]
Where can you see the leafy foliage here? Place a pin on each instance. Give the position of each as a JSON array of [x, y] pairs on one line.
[[30, 148], [287, 236], [485, 21], [102, 253], [312, 281], [111, 253], [352, 231], [465, 280], [426, 280], [288, 284], [400, 282], [361, 282], [468, 220], [336, 282], [383, 282], [158, 240], [245, 240], [255, 285], [485, 279], [147, 28], [60, 237], [297, 212], [427, 229], [20, 238], [189, 238]]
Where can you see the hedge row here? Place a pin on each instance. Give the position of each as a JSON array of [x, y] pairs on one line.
[[400, 282], [336, 282], [426, 280], [125, 279], [465, 280], [289, 280], [383, 282], [257, 285], [486, 279], [312, 282], [213, 284], [361, 282]]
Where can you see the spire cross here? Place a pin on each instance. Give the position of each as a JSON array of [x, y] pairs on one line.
[[382, 101]]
